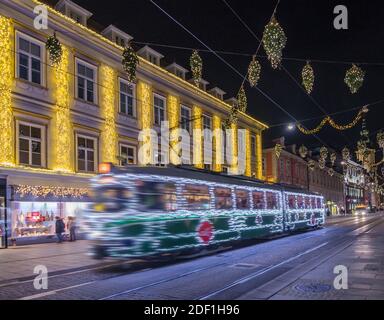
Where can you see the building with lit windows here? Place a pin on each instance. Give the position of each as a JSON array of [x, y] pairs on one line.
[[58, 123]]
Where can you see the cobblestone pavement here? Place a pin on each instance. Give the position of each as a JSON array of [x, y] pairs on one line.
[[295, 267]]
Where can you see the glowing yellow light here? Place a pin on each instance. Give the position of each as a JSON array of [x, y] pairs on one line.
[[61, 122], [173, 118], [248, 169], [44, 191], [197, 115], [144, 93], [234, 169], [108, 112], [259, 157], [6, 82], [218, 140]]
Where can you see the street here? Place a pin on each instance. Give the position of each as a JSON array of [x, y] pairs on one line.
[[300, 266]]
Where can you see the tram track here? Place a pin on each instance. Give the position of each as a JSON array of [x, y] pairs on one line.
[[58, 288]]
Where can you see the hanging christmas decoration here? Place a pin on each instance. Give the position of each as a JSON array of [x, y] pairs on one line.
[[323, 153], [274, 41], [242, 100], [308, 77], [332, 122], [354, 78], [303, 151], [311, 164], [196, 64], [346, 154], [129, 62], [321, 163], [254, 71], [278, 149], [380, 139], [333, 157], [55, 50], [331, 172]]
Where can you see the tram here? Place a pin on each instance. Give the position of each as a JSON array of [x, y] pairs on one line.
[[149, 211]]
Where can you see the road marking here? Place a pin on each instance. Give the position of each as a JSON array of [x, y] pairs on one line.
[[49, 293], [261, 272], [160, 282]]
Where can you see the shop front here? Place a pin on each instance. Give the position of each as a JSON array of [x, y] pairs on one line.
[[3, 215], [34, 205]]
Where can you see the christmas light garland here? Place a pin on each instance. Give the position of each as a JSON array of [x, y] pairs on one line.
[[254, 71], [242, 100], [274, 41], [346, 154], [196, 64], [354, 78], [303, 151], [129, 63], [55, 50], [45, 191], [308, 78]]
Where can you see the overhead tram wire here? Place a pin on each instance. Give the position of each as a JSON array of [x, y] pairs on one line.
[[231, 67], [285, 69]]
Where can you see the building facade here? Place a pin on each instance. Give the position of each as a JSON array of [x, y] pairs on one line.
[[58, 123], [355, 181]]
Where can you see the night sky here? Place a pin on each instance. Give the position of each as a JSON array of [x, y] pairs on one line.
[[311, 35]]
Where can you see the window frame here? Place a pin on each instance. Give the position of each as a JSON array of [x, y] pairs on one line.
[[95, 152], [156, 109], [43, 145], [189, 122], [95, 81], [39, 43], [125, 145], [133, 86]]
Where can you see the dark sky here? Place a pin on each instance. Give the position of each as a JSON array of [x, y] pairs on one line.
[[311, 35]]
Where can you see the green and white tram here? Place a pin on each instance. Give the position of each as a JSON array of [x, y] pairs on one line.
[[146, 211]]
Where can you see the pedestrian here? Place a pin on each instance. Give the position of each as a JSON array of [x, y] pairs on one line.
[[60, 227], [71, 226]]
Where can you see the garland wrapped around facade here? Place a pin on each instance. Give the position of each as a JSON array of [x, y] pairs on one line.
[[254, 71], [196, 64], [323, 153], [308, 78], [55, 50], [354, 78], [336, 126], [129, 62], [274, 41], [242, 100]]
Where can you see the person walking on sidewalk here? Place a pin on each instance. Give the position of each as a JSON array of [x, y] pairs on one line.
[[71, 226], [60, 228]]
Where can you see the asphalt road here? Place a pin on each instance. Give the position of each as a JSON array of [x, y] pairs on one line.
[[229, 274]]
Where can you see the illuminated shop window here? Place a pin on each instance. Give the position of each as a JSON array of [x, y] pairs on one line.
[[86, 79], [127, 98], [30, 53], [31, 144]]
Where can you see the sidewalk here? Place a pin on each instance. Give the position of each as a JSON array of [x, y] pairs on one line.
[[20, 261]]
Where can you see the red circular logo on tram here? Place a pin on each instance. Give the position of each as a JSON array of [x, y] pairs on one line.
[[205, 231]]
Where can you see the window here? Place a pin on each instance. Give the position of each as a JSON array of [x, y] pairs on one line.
[[242, 199], [185, 118], [153, 59], [86, 81], [289, 171], [253, 146], [75, 16], [156, 196], [127, 155], [291, 201], [207, 122], [30, 59], [223, 198], [196, 197], [31, 144], [159, 109], [179, 73], [300, 202], [258, 199], [264, 165], [86, 154], [127, 98], [272, 200], [120, 41]]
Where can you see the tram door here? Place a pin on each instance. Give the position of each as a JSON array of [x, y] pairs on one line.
[[3, 215]]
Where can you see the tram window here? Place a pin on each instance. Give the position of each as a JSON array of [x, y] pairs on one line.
[[292, 201], [300, 202], [313, 201], [307, 203], [258, 200], [318, 203], [156, 196], [242, 199], [196, 197], [272, 200], [223, 198]]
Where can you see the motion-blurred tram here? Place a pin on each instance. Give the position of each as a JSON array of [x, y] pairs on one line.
[[150, 211]]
